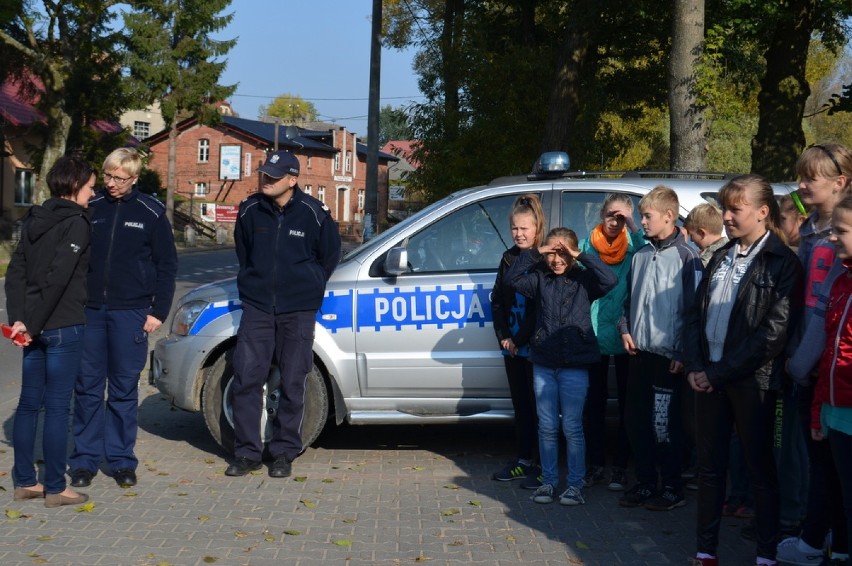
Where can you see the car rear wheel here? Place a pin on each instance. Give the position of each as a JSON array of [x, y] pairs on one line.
[[219, 414]]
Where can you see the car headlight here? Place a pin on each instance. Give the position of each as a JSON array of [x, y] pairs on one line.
[[186, 316]]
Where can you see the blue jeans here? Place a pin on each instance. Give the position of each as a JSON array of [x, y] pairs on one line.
[[114, 354], [47, 379], [561, 391]]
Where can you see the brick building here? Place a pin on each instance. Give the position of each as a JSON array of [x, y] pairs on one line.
[[218, 164]]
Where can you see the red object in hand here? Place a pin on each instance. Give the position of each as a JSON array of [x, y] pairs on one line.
[[7, 332]]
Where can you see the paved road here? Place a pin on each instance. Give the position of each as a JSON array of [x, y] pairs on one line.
[[362, 495]]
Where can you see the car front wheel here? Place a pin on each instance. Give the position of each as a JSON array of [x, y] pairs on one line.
[[219, 414]]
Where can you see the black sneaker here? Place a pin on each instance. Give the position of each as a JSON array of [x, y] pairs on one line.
[[242, 466], [533, 480], [513, 471], [665, 500], [594, 475], [636, 496]]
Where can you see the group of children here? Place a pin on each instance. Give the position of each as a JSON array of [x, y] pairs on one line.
[[717, 341]]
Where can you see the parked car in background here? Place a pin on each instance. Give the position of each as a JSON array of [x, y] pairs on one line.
[[404, 335]]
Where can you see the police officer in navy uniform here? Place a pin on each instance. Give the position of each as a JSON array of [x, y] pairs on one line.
[[131, 283], [288, 246]]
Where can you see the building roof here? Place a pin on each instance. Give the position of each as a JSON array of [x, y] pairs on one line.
[[264, 133], [403, 149], [14, 109]]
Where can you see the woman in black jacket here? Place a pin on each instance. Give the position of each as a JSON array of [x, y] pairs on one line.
[[734, 339], [45, 296]]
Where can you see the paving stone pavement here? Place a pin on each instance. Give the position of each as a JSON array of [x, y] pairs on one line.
[[362, 495]]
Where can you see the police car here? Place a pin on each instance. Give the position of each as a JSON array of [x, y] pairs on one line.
[[404, 335]]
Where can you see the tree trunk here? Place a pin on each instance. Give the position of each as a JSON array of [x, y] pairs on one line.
[[58, 126], [450, 42], [783, 93], [171, 173], [687, 126], [564, 105]]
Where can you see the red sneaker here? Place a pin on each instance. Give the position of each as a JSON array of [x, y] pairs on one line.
[[703, 562]]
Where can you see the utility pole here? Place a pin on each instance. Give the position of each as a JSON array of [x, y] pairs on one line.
[[371, 192]]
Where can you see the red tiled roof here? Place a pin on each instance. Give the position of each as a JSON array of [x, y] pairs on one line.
[[15, 109], [404, 149]]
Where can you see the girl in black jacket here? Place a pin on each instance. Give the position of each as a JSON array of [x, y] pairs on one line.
[[514, 321], [734, 338], [562, 349], [45, 296]]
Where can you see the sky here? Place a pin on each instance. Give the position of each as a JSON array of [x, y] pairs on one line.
[[318, 50]]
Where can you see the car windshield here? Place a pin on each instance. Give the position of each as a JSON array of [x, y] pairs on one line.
[[391, 232]]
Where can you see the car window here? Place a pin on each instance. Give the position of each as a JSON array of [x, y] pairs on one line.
[[581, 210], [473, 237]]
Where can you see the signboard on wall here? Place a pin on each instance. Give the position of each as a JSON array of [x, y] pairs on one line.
[[229, 162], [211, 212], [227, 212], [396, 192]]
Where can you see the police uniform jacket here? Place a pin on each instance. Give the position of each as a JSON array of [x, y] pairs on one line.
[[286, 254], [134, 260]]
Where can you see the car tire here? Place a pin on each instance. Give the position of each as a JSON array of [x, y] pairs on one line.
[[218, 413]]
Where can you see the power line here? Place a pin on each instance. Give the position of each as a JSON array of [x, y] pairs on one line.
[[329, 99]]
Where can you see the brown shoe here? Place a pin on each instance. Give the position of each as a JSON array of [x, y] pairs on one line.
[[58, 500], [23, 493]]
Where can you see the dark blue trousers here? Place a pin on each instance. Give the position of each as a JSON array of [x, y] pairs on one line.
[[115, 348], [288, 339]]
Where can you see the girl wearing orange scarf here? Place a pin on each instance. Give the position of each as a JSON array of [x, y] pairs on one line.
[[614, 240]]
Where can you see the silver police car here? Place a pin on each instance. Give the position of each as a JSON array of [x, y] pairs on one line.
[[404, 335]]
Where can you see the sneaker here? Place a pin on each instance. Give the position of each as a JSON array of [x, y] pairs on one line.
[[544, 494], [665, 500], [703, 561], [617, 479], [691, 484], [513, 471], [572, 496], [636, 496], [789, 553], [594, 476], [533, 480]]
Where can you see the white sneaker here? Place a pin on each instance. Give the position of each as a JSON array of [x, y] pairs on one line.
[[572, 496], [543, 494], [788, 553]]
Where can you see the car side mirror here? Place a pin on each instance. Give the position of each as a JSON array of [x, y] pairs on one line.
[[396, 262]]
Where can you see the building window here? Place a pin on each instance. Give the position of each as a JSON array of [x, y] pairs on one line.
[[321, 193], [247, 165], [203, 151], [360, 199], [24, 186], [347, 163], [307, 189], [309, 162], [200, 189], [337, 161], [141, 130]]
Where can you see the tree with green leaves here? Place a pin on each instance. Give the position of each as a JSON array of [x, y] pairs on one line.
[[290, 108], [393, 125], [70, 56], [173, 59]]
